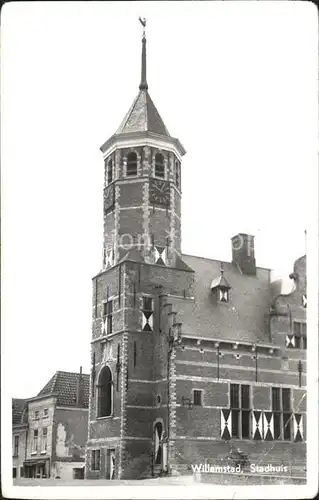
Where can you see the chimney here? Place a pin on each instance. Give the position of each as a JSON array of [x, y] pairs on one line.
[[79, 389], [243, 253]]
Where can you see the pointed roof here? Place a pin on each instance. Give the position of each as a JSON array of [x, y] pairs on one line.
[[143, 117], [221, 280]]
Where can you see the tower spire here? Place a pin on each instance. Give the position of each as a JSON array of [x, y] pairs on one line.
[[143, 84]]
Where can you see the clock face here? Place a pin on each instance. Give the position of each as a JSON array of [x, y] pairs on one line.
[[108, 198], [159, 192]]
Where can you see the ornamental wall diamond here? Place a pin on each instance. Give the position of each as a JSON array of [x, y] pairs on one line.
[[160, 255], [298, 427], [225, 424], [147, 321], [290, 340], [268, 421], [257, 425]]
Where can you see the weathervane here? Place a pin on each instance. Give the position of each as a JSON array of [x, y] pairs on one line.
[[143, 23]]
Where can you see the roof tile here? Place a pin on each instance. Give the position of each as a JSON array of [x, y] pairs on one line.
[[64, 385], [143, 117]]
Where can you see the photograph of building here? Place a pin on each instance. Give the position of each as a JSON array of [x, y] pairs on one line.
[[162, 165], [193, 360]]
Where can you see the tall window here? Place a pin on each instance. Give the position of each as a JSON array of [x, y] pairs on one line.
[[197, 397], [159, 166], [108, 316], [96, 459], [109, 171], [16, 446], [45, 412], [281, 407], [35, 441], [245, 411], [105, 393], [240, 410], [131, 166], [300, 334], [44, 439], [177, 174], [14, 472]]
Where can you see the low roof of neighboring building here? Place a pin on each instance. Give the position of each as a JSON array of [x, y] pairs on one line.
[[65, 386], [18, 406]]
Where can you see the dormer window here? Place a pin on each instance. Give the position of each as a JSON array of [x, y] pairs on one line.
[[159, 166], [131, 166], [221, 287]]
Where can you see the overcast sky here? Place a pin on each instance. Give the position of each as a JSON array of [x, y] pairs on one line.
[[234, 81]]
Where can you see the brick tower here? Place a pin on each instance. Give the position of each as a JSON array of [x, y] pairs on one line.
[[135, 331]]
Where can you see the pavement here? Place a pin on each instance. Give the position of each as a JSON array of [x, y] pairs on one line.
[[156, 481]]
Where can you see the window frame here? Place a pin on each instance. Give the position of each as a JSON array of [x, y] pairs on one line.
[[109, 171], [108, 316], [159, 165], [282, 413], [96, 464], [299, 330], [108, 392], [241, 426], [200, 393], [44, 440], [177, 174], [130, 163], [151, 301], [35, 441], [16, 443]]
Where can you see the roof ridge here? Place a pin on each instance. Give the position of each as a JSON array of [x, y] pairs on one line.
[[128, 114], [55, 378], [72, 373], [157, 112], [147, 109]]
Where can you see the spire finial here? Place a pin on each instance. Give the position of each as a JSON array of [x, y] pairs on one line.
[[143, 84], [222, 268]]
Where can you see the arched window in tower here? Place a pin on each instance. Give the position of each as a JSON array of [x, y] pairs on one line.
[[110, 171], [105, 393], [131, 166], [159, 166]]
